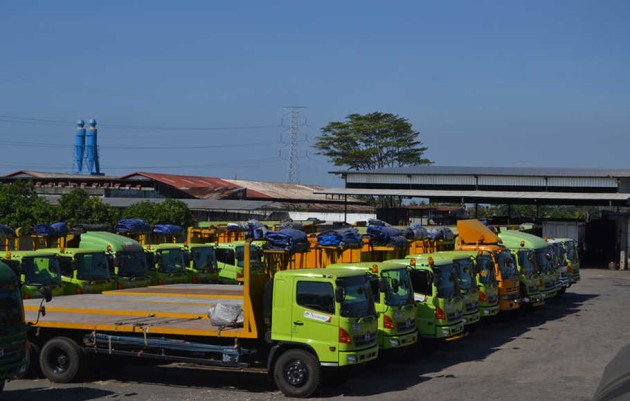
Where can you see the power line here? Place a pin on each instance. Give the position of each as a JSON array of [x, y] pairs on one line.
[[134, 147]]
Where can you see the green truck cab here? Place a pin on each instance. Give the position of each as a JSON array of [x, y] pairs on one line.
[[167, 264], [231, 258], [465, 271], [201, 263], [36, 270], [126, 257], [572, 259], [529, 276], [13, 330], [485, 276], [394, 302], [85, 271], [541, 258], [560, 262], [437, 295]]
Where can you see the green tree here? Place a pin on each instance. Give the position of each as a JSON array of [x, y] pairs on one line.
[[371, 141], [170, 211], [78, 207], [20, 206]]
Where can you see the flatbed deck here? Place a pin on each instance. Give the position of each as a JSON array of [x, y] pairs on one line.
[[179, 309]]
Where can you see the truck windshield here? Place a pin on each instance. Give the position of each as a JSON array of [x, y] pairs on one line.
[[572, 254], [92, 266], [41, 270], [445, 281], [507, 267], [172, 261], [255, 257], [485, 265], [10, 306], [204, 258], [131, 263], [358, 300], [525, 259], [399, 291], [543, 260], [464, 269]]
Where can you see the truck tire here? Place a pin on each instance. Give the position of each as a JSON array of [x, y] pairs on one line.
[[297, 373], [60, 359], [33, 371]]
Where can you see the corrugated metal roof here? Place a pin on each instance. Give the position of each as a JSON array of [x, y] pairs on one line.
[[516, 171], [480, 196], [275, 190], [195, 186], [62, 176], [193, 204]]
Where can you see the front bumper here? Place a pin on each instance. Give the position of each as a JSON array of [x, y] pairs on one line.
[[398, 341]]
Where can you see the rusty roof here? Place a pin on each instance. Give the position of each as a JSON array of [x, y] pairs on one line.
[[195, 186], [61, 176], [277, 190]]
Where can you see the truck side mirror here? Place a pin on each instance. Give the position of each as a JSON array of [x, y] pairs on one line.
[[395, 285], [382, 285], [47, 294]]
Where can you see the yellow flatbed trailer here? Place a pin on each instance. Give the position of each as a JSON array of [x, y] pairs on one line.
[[178, 309]]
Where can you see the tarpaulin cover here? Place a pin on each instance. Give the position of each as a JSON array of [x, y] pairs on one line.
[[386, 236], [292, 224], [51, 230], [255, 229], [377, 222], [6, 231], [237, 227], [416, 231], [287, 239], [342, 238], [440, 232], [226, 315], [132, 226], [168, 229]]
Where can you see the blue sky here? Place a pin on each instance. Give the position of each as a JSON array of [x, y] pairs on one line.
[[200, 87]]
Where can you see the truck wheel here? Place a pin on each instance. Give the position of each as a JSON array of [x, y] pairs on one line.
[[33, 371], [297, 373], [60, 359]]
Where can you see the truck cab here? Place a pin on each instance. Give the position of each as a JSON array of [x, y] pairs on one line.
[[394, 302], [126, 257], [231, 259], [465, 271], [560, 263], [201, 263], [36, 270], [167, 264], [85, 271], [13, 330], [437, 295], [530, 277], [541, 258]]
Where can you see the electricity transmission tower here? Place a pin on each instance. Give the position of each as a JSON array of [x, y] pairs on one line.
[[295, 121]]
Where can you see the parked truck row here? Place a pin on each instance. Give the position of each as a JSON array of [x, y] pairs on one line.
[[297, 316]]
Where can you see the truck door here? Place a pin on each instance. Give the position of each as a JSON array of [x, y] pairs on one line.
[[313, 318]]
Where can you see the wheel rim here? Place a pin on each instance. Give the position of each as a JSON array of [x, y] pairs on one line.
[[296, 373], [59, 362]]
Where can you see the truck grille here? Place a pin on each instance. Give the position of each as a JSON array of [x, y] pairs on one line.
[[405, 325], [472, 307], [365, 339], [454, 316]]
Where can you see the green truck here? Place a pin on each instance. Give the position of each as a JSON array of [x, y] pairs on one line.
[[231, 259], [530, 277], [126, 257], [541, 258], [394, 304], [13, 330], [438, 297], [85, 271], [465, 271], [201, 263], [36, 270], [167, 263], [303, 327]]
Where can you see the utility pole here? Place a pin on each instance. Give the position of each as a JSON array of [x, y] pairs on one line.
[[294, 120]]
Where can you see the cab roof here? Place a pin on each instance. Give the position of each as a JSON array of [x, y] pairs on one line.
[[100, 239], [335, 272], [512, 239]]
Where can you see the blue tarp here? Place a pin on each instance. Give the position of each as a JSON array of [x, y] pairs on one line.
[[287, 239], [256, 230], [51, 230], [416, 231], [132, 226], [168, 229], [6, 231], [342, 238], [440, 232], [386, 236]]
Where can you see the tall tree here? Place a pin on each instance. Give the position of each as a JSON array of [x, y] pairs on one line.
[[78, 207], [20, 206], [170, 211], [371, 141]]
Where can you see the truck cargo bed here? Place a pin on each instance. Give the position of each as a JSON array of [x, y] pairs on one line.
[[179, 309]]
